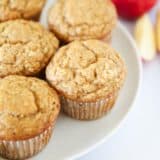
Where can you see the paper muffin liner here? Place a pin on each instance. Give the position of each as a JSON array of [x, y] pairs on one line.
[[25, 148], [88, 110]]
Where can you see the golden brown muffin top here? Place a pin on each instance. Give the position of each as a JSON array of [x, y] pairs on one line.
[[13, 9], [25, 47], [28, 106], [82, 19], [86, 70]]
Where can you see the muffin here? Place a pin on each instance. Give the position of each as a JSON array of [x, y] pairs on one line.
[[28, 111], [15, 9], [88, 76], [82, 19], [25, 47]]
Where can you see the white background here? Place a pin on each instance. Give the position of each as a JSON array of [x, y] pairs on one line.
[[139, 136]]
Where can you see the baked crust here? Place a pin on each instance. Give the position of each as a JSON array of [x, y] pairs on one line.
[[14, 9], [28, 106], [82, 19], [25, 47], [86, 71]]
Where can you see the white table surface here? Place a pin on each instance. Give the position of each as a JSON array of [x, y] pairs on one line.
[[139, 136]]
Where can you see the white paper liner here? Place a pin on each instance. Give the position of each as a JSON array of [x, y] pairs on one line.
[[87, 110], [25, 148]]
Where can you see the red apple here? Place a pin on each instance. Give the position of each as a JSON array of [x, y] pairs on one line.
[[131, 9]]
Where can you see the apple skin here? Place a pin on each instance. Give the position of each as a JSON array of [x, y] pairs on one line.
[[132, 9], [157, 30]]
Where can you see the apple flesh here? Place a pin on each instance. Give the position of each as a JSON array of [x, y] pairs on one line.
[[145, 38]]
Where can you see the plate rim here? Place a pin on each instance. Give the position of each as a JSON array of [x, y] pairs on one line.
[[119, 125]]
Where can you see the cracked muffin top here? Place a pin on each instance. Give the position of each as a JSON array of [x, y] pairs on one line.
[[86, 70], [82, 19], [25, 47], [28, 106], [13, 9]]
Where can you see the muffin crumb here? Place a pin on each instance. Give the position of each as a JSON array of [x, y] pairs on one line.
[[80, 20], [25, 47], [28, 106], [86, 70]]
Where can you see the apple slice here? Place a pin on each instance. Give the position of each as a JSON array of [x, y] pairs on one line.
[[157, 30], [145, 38]]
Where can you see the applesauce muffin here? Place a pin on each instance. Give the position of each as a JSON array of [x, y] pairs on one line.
[[88, 76], [28, 111], [16, 9], [82, 19], [25, 47]]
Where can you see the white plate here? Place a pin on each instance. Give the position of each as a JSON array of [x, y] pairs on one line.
[[73, 138]]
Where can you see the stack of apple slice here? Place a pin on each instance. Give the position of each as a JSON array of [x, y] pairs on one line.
[[148, 37]]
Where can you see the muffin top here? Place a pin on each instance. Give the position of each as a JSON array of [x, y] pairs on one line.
[[86, 70], [25, 47], [82, 19], [27, 107], [13, 9]]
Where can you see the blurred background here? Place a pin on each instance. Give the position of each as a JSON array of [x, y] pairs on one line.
[[139, 137]]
